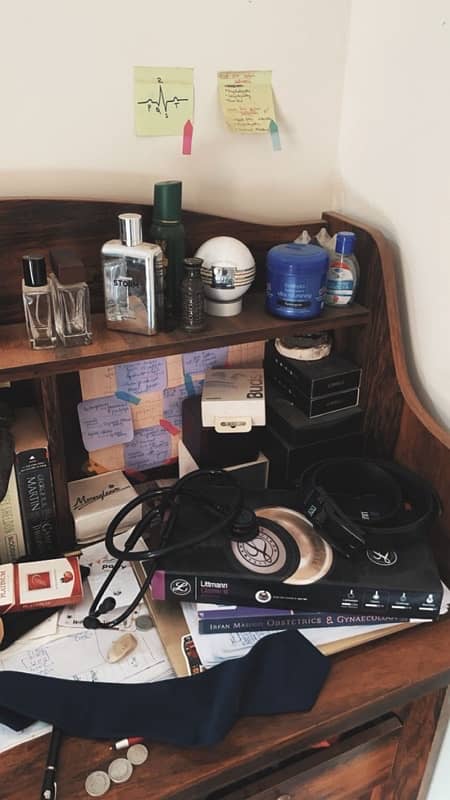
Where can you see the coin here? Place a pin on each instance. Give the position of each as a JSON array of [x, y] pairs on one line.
[[97, 783], [137, 754], [144, 622], [120, 770]]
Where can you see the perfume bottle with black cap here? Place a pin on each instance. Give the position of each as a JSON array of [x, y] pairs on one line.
[[37, 303]]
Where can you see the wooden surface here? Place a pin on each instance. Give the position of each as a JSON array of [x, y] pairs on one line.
[[18, 361], [363, 684]]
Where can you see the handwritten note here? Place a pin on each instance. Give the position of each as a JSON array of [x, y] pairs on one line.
[[247, 100], [149, 448], [250, 354], [107, 459], [148, 412], [173, 399], [142, 376], [163, 100], [201, 360], [175, 375], [105, 421], [97, 382]]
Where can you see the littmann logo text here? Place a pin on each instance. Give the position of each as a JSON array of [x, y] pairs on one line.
[[180, 587], [82, 501], [256, 387]]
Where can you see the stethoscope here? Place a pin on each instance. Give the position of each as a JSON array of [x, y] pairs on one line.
[[233, 519]]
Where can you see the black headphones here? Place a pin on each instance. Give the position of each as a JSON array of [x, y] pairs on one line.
[[229, 518], [357, 502]]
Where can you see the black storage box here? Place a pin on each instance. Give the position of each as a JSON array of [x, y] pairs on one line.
[[287, 461], [212, 449], [314, 378], [294, 426]]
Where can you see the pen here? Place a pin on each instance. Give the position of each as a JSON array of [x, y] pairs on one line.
[[122, 743], [48, 791]]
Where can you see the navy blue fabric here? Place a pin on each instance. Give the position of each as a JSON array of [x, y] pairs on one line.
[[283, 672]]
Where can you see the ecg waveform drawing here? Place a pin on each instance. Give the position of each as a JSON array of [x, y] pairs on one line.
[[162, 104]]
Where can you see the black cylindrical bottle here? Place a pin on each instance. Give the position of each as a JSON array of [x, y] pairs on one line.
[[193, 317]]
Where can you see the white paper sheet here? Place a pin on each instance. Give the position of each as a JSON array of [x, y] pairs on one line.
[[74, 652]]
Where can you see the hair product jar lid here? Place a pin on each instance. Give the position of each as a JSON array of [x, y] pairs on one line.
[[295, 254]]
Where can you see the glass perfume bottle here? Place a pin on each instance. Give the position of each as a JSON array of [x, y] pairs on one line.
[[37, 303], [71, 299], [133, 278]]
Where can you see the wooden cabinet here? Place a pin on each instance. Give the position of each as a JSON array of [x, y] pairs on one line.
[[382, 699]]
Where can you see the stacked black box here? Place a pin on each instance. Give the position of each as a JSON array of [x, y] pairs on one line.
[[302, 424]]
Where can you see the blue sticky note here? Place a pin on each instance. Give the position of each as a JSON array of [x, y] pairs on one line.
[[201, 360], [142, 376], [105, 421], [173, 399], [149, 448]]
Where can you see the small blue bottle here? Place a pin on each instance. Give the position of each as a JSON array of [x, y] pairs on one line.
[[343, 272], [296, 278]]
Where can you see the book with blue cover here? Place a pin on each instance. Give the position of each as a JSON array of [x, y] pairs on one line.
[[232, 619]]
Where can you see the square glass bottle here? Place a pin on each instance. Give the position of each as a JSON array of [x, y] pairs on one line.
[[37, 303]]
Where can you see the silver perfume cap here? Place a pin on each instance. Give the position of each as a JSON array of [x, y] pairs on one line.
[[130, 229]]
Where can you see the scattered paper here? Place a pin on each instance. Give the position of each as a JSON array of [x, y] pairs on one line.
[[164, 100], [175, 374], [247, 100], [108, 459], [105, 421]]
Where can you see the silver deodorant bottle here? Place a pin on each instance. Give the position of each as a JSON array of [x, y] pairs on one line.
[[133, 279]]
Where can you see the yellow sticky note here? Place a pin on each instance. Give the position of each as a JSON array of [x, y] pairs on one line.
[[163, 100], [247, 100]]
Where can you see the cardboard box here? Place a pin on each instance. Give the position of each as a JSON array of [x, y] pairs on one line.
[[38, 584], [96, 500]]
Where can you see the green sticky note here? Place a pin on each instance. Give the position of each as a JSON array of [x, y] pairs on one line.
[[163, 100]]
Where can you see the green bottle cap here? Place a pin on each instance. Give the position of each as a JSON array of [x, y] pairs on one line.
[[167, 201]]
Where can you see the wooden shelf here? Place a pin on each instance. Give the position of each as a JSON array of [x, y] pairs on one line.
[[18, 361]]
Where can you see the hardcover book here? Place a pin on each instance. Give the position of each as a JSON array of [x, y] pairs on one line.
[[12, 542], [35, 484], [235, 619]]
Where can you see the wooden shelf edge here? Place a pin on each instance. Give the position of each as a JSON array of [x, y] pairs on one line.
[[253, 324], [395, 328]]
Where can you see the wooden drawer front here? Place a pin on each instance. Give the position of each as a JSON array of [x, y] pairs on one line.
[[344, 771]]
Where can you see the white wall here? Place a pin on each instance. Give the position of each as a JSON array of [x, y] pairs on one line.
[[394, 164], [67, 125]]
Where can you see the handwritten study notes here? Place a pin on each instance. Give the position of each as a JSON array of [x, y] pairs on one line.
[[149, 448], [247, 100], [139, 377], [105, 421], [163, 100], [201, 360]]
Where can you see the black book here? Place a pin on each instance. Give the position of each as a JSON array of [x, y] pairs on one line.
[[34, 484]]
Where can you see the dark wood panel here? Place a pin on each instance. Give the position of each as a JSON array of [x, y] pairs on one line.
[[370, 347], [52, 420], [39, 225], [18, 361], [419, 724], [356, 764]]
